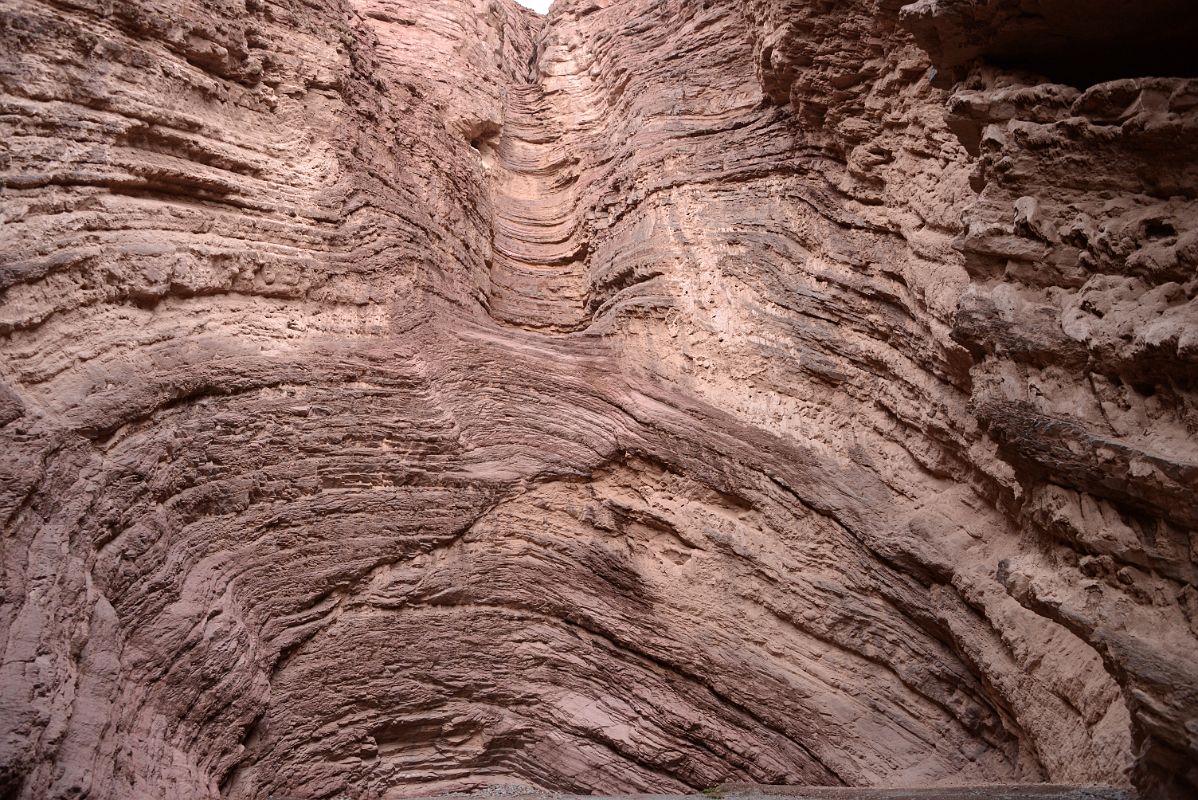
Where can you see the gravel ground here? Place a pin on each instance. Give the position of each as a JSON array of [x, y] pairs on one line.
[[754, 792]]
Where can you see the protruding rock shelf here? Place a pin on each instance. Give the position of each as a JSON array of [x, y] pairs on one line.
[[409, 397]]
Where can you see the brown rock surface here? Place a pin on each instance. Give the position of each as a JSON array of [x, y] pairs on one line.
[[401, 398]]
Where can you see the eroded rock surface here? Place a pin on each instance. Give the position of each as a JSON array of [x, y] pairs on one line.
[[401, 398]]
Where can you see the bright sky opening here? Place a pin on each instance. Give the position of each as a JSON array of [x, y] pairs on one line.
[[539, 6]]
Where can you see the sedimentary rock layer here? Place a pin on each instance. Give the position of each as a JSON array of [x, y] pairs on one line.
[[404, 398]]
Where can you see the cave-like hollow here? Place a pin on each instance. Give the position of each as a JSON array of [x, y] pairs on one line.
[[408, 398]]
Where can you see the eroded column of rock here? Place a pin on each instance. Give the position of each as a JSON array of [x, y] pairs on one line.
[[206, 209], [1080, 313], [411, 397], [1082, 316]]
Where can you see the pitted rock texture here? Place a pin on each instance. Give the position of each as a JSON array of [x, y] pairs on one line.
[[403, 398]]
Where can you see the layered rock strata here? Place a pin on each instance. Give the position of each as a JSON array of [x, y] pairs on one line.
[[407, 398]]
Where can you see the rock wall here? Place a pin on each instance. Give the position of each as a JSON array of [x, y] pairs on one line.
[[401, 398]]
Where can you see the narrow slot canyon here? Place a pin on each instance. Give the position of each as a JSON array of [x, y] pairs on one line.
[[409, 398], [538, 274]]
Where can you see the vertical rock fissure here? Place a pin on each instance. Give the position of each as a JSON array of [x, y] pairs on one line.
[[538, 275]]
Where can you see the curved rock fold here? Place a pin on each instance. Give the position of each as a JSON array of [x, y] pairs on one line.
[[401, 399]]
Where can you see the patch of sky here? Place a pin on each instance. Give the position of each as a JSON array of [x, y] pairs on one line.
[[539, 6]]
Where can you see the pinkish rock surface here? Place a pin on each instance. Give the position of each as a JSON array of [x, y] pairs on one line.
[[403, 398]]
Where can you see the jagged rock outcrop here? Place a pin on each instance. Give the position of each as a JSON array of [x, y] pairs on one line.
[[400, 398]]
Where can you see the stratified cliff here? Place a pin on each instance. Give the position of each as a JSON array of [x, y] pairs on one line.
[[410, 397]]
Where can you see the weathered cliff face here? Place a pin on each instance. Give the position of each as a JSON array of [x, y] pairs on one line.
[[400, 398]]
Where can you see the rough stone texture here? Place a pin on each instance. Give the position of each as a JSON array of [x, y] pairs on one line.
[[408, 397]]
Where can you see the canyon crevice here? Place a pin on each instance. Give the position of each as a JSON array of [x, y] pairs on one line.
[[401, 398]]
